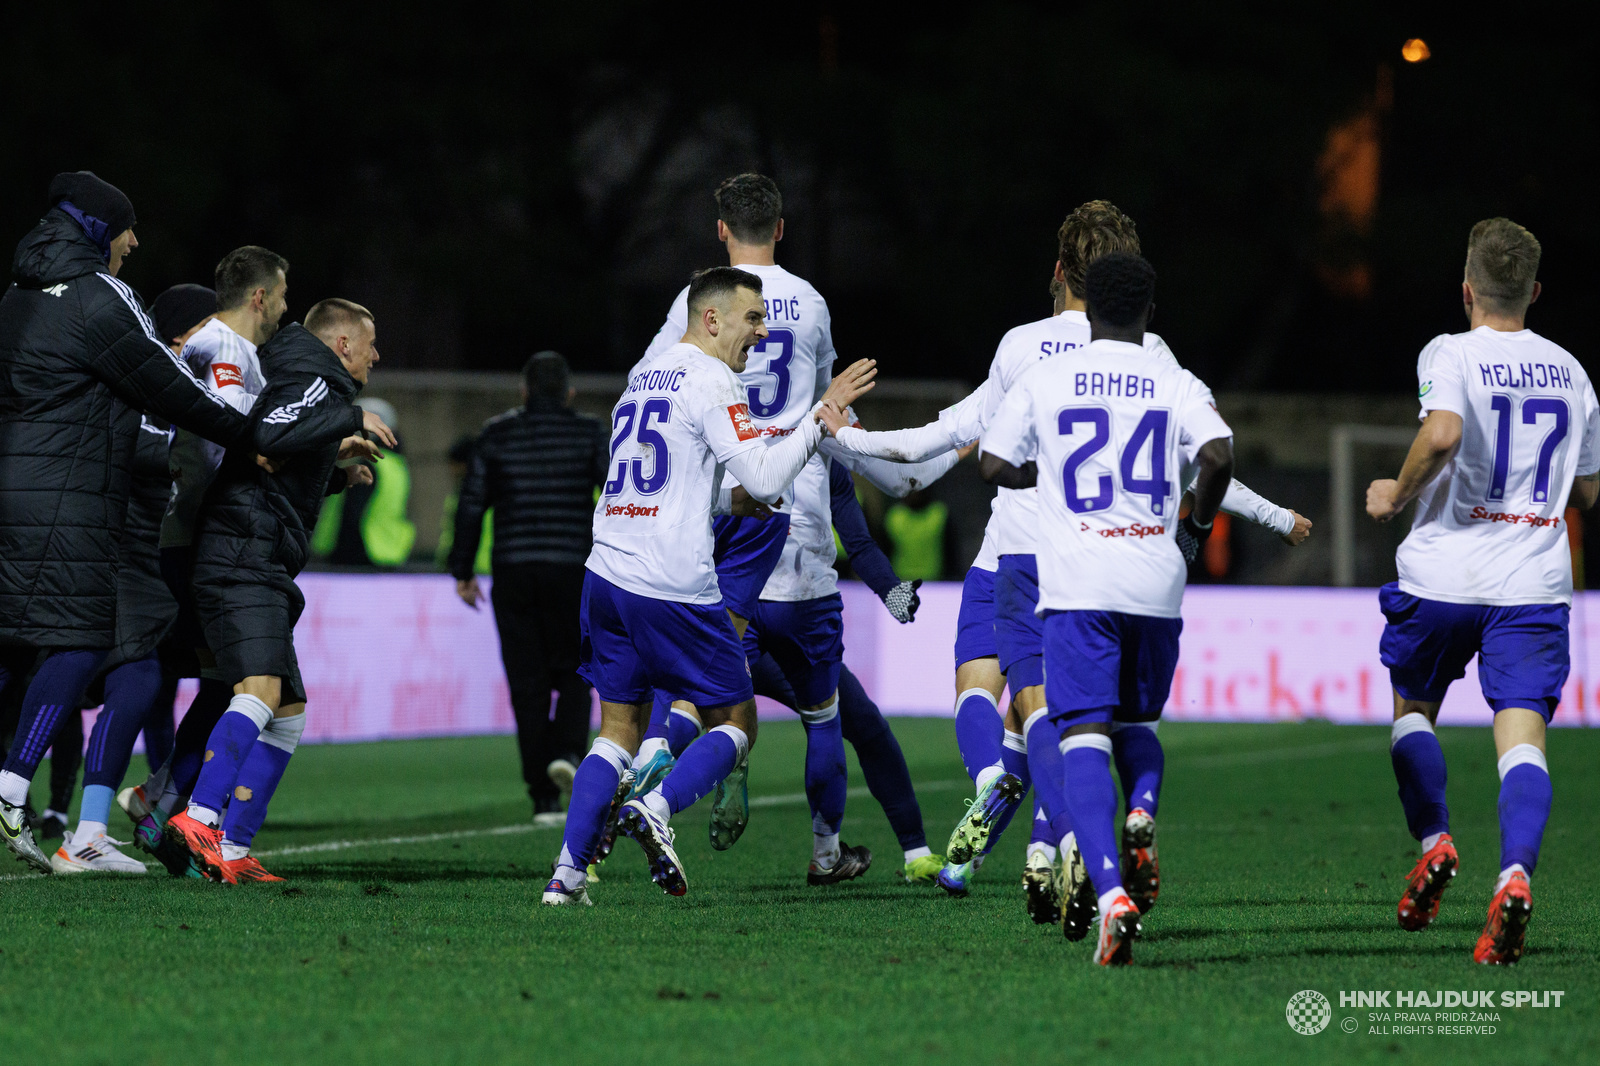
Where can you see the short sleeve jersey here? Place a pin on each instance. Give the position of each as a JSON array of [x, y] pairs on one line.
[[780, 379], [1116, 429], [1015, 514], [681, 417], [1489, 528]]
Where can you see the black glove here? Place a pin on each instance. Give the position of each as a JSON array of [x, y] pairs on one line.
[[903, 601], [1191, 535]]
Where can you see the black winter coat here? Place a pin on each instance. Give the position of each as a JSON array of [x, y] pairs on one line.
[[79, 360], [538, 467], [251, 519], [146, 608]]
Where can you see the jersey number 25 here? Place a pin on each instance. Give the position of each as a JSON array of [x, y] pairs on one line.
[[623, 424]]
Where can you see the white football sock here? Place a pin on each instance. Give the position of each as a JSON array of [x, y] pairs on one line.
[[825, 850], [1429, 841], [658, 805], [913, 854], [204, 815], [89, 830], [1505, 875], [13, 788], [647, 748], [1108, 898], [231, 851], [988, 774]]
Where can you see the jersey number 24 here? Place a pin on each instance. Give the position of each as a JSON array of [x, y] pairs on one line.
[[1151, 431]]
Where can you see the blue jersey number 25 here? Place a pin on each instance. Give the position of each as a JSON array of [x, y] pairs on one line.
[[1151, 431], [623, 423]]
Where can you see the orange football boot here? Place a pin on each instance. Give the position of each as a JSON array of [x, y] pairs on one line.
[[247, 869], [1426, 883], [203, 842], [1509, 911]]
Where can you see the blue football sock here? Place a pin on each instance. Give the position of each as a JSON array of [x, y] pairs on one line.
[[1525, 797], [96, 804], [1044, 764], [1092, 802], [1140, 763], [1419, 768], [263, 769], [682, 729], [592, 791], [825, 767], [1041, 826], [131, 691], [980, 730], [230, 742], [883, 764], [660, 709], [1014, 757], [56, 688], [704, 763]]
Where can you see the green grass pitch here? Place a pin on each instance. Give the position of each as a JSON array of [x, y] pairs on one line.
[[1282, 850]]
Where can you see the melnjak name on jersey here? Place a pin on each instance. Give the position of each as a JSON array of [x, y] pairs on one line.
[[1132, 386], [1525, 375]]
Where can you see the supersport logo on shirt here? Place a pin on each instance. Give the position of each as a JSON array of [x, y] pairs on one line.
[[226, 374], [743, 425]]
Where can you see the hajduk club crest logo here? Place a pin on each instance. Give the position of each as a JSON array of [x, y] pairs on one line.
[[1309, 1012]]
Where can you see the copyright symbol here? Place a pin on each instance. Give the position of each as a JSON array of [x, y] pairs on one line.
[[1349, 1025]]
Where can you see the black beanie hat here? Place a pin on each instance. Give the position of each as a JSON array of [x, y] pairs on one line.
[[181, 308], [95, 198]]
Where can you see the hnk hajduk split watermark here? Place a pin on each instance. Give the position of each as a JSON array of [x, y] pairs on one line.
[[1394, 1012]]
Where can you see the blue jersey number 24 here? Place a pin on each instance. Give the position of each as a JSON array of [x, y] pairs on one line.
[[1151, 430]]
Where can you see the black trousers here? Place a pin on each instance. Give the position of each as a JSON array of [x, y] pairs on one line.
[[536, 611]]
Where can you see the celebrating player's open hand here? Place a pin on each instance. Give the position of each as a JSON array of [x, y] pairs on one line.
[[834, 418], [855, 381], [359, 448], [360, 474], [1302, 529], [371, 423]]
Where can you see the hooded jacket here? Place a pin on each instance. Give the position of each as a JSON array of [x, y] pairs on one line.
[[254, 522], [79, 360]]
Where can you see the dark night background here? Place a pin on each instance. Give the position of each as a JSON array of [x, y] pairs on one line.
[[514, 179]]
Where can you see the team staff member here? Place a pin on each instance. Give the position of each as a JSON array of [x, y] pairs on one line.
[[537, 466], [79, 360]]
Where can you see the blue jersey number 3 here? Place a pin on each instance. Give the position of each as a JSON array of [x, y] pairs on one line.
[[779, 343]]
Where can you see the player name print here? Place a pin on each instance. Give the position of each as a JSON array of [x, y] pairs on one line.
[[743, 424], [1097, 384], [1525, 375], [226, 374]]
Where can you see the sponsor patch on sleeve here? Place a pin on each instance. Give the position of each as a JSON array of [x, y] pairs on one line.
[[226, 374], [743, 424]]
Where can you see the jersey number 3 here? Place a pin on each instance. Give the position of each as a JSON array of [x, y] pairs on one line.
[[623, 421], [1532, 409], [1151, 430], [778, 366]]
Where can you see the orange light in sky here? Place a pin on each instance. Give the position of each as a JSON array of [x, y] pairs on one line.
[[1415, 50]]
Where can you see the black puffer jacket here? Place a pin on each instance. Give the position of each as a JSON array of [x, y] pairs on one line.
[[79, 361], [251, 518], [145, 606], [538, 467]]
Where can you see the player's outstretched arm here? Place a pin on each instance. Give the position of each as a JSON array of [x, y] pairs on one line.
[[1435, 444], [996, 471], [1215, 460], [1241, 501]]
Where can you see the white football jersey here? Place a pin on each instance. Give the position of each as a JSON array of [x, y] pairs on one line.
[[226, 362], [1115, 429], [805, 570], [1014, 518], [786, 373], [682, 416], [1489, 528]]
